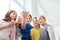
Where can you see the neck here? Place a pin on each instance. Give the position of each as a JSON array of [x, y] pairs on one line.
[[37, 27]]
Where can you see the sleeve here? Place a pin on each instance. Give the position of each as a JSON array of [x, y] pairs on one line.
[[51, 32], [1, 23], [31, 32]]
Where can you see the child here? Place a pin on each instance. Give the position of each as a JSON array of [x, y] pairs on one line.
[[47, 31], [9, 27], [25, 26], [35, 32]]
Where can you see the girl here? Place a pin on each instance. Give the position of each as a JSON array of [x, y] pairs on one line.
[[36, 31], [47, 30], [6, 33]]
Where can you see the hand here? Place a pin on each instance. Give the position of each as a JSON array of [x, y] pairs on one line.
[[11, 23], [19, 19], [24, 14]]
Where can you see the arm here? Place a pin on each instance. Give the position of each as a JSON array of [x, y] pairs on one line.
[[5, 26], [21, 20], [32, 38], [24, 16], [18, 21], [51, 33], [23, 23]]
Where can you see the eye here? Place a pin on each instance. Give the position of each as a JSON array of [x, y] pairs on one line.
[[26, 18], [29, 18], [36, 20]]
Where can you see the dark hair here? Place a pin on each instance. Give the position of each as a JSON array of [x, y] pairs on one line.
[[7, 16], [35, 18], [30, 15]]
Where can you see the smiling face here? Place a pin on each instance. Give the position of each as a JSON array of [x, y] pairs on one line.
[[42, 20], [13, 15], [29, 19], [10, 15], [35, 22]]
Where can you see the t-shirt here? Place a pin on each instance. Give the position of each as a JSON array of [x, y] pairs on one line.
[[26, 32], [35, 33]]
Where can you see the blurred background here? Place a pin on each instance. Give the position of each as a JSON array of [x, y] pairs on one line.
[[49, 8]]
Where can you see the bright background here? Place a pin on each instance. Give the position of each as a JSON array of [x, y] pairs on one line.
[[49, 8]]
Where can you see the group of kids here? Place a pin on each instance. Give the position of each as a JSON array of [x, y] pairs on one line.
[[13, 28]]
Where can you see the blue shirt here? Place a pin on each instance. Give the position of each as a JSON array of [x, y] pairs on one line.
[[26, 32]]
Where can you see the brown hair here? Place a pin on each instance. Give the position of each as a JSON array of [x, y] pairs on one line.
[[7, 16], [43, 17], [30, 15], [34, 18], [37, 19], [24, 12]]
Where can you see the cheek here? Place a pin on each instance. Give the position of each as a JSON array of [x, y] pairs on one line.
[[11, 16], [15, 16], [35, 23], [30, 20], [26, 19], [41, 22]]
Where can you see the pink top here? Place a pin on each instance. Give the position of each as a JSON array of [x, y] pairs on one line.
[[5, 33]]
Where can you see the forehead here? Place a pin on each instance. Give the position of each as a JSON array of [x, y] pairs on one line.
[[35, 19], [42, 18], [14, 13]]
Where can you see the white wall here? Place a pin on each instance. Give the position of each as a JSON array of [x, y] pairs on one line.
[[52, 10], [4, 5]]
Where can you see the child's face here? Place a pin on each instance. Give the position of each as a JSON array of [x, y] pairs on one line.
[[35, 22], [19, 18], [13, 15], [41, 20], [28, 19]]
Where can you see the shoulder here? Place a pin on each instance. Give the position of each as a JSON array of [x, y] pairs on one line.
[[40, 28], [50, 27], [28, 25]]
